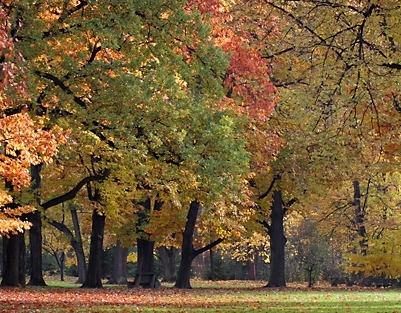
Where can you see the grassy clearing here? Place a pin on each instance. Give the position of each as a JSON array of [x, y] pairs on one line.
[[216, 297]]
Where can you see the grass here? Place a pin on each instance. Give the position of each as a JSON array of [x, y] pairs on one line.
[[205, 297]]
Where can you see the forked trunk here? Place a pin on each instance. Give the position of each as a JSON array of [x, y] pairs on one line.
[[168, 257], [76, 243], [187, 251]]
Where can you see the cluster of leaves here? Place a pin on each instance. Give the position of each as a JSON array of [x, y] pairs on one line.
[[23, 141]]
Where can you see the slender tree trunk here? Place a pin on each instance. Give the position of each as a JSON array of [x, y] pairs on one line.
[[188, 252], [119, 274], [309, 269], [277, 242], [168, 257], [14, 261], [76, 243], [360, 227], [212, 270], [61, 264], [253, 267], [94, 275], [359, 217]]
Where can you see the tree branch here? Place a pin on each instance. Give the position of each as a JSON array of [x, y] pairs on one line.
[[60, 226], [265, 194], [56, 81], [208, 247], [74, 191]]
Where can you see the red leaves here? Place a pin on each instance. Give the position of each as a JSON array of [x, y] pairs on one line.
[[247, 76]]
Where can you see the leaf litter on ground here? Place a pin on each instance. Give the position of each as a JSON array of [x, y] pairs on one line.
[[232, 296]]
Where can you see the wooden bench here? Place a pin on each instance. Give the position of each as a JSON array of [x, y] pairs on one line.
[[145, 280]]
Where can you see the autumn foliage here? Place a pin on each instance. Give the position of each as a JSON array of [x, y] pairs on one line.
[[23, 140]]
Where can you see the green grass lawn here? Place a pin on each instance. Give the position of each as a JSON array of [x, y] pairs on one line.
[[204, 297]]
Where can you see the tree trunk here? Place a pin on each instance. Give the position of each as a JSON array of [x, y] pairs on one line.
[[188, 252], [309, 269], [76, 243], [359, 217], [119, 274], [360, 227], [146, 264], [35, 233], [35, 245], [212, 270], [168, 257], [61, 261], [94, 275], [277, 242], [253, 267], [14, 261]]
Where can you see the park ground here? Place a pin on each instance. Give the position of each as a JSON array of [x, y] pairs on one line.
[[232, 296]]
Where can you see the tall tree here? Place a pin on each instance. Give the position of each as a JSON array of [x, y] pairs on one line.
[[340, 60], [148, 75], [23, 142]]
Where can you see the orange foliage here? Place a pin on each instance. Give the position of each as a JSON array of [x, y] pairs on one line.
[[22, 140]]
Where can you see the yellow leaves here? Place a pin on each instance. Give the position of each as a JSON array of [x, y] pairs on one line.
[[24, 144], [9, 218], [12, 226]]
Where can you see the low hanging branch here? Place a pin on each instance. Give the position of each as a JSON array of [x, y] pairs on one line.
[[208, 247], [74, 191]]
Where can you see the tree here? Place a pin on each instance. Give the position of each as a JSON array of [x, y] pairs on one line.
[[246, 82], [346, 54], [141, 76], [24, 142]]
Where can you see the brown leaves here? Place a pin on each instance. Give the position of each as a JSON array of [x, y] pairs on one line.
[[233, 296]]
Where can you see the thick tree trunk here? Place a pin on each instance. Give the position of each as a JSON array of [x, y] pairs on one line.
[[14, 261], [168, 257], [94, 275], [188, 252], [145, 264], [35, 233], [145, 275], [119, 274], [277, 242], [35, 245]]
